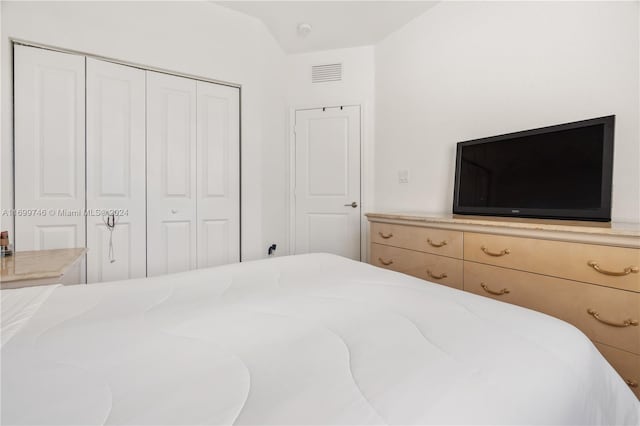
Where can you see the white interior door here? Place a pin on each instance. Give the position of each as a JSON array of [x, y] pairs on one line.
[[171, 174], [327, 181], [116, 171], [49, 149], [218, 170]]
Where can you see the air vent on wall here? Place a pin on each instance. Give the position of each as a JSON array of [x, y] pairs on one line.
[[324, 73]]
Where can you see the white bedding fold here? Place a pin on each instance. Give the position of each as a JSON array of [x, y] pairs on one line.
[[19, 305]]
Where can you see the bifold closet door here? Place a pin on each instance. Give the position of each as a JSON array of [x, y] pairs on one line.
[[171, 174], [116, 181], [218, 170], [49, 108]]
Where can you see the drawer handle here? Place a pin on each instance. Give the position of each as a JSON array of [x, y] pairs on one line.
[[625, 323], [385, 263], [631, 383], [386, 236], [625, 271], [490, 253], [495, 293], [436, 277], [440, 244]]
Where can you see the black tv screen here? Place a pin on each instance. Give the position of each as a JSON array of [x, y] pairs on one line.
[[561, 172]]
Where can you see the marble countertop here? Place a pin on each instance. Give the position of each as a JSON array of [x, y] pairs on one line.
[[39, 264], [598, 228]]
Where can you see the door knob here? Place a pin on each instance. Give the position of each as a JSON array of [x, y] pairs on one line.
[[354, 205], [174, 211]]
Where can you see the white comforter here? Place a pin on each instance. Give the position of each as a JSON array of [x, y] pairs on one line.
[[312, 339]]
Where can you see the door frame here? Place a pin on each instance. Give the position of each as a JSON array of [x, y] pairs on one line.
[[366, 172]]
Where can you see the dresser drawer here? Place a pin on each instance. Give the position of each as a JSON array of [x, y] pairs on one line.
[[437, 269], [610, 266], [428, 240], [626, 364], [600, 312]]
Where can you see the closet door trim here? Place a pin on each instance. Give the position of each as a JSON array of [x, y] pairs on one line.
[[21, 42]]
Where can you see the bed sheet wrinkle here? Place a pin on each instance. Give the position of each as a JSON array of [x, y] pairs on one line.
[[348, 352], [63, 379], [17, 308], [307, 398], [477, 372], [185, 394], [406, 318], [236, 411], [568, 365], [79, 335], [403, 381], [467, 309]]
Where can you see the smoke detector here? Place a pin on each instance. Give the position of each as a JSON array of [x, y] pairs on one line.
[[304, 29]]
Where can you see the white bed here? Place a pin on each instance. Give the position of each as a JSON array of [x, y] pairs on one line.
[[314, 339]]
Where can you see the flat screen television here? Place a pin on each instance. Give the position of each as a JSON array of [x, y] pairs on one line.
[[556, 172]]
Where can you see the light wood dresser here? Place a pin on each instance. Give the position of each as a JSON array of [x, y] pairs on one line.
[[585, 273]]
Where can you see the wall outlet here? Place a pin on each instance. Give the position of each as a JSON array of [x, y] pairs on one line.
[[403, 176]]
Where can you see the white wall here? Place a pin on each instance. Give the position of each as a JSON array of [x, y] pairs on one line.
[[462, 70], [274, 208], [198, 38], [355, 88], [357, 84], [466, 70]]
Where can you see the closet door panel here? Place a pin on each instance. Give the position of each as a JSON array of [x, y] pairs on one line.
[[116, 181], [49, 108], [171, 174], [218, 146], [127, 263], [177, 245]]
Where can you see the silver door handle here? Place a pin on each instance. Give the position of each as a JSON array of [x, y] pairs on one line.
[[354, 205]]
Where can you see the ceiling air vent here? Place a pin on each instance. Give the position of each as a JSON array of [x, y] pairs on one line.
[[324, 73]]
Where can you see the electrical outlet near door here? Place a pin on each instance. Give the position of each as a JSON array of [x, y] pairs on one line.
[[403, 176]]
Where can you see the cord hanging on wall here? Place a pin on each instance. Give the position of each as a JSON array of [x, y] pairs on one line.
[[110, 223]]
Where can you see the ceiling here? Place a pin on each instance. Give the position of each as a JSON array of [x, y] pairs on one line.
[[335, 24]]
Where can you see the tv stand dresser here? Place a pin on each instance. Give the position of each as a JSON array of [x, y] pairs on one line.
[[585, 273]]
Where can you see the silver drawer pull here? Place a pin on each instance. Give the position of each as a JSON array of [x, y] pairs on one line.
[[436, 277], [440, 244], [490, 253], [495, 293], [626, 323], [385, 262], [625, 271]]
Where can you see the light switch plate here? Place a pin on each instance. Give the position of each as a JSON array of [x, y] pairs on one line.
[[403, 176]]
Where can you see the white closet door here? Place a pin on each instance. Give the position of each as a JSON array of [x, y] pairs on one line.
[[116, 170], [49, 148], [218, 171], [171, 174]]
